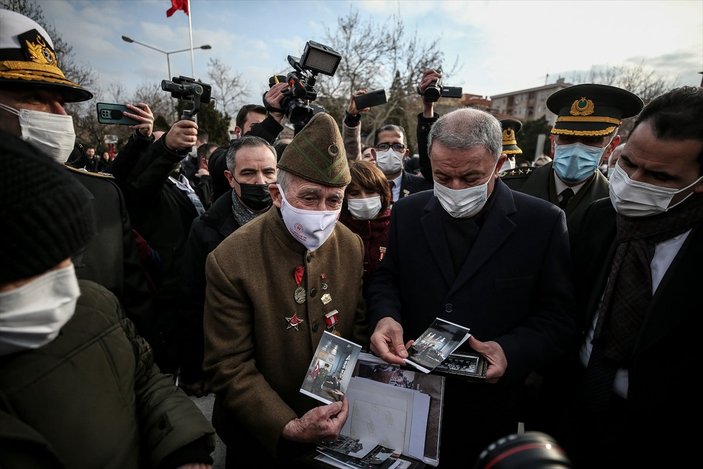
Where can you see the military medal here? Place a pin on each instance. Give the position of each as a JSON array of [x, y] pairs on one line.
[[331, 321], [326, 298], [323, 279], [382, 250], [294, 321], [299, 294]]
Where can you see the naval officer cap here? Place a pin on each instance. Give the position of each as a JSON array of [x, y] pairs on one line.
[[27, 58]]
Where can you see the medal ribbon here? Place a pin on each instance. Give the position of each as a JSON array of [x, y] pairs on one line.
[[299, 272]]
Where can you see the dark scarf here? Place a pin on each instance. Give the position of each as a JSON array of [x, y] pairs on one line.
[[627, 295], [628, 291], [243, 214]]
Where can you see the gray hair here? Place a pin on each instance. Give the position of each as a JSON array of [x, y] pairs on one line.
[[284, 180], [466, 128], [247, 141]]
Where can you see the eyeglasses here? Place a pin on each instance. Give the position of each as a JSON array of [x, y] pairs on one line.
[[399, 147]]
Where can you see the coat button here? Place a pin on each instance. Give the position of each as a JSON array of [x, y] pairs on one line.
[[315, 327], [308, 259], [448, 308], [313, 291]]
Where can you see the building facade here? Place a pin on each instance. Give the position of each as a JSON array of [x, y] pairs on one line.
[[529, 104]]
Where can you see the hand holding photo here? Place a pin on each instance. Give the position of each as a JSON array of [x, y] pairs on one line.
[[331, 369], [435, 344]]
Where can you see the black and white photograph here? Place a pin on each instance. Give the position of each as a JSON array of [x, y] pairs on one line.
[[331, 369], [435, 344], [472, 367]]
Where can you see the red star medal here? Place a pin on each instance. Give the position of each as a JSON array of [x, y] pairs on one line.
[[294, 321]]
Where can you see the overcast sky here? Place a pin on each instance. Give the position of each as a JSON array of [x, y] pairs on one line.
[[502, 46]]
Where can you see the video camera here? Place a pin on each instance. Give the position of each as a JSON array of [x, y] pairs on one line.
[[316, 58], [436, 90], [188, 89]]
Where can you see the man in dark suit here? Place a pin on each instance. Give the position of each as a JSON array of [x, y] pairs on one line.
[[635, 260], [584, 134], [390, 152], [476, 254]]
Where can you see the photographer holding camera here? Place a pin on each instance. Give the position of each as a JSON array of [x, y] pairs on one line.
[[389, 151], [162, 205], [425, 120], [252, 120]]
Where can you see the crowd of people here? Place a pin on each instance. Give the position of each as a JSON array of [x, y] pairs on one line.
[[180, 267]]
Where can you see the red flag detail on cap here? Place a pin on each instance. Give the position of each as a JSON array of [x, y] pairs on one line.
[[177, 5]]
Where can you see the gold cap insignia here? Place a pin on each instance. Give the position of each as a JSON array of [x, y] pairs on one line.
[[582, 107], [39, 51], [509, 137]]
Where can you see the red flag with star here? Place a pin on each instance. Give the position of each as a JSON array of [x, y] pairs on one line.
[[177, 5]]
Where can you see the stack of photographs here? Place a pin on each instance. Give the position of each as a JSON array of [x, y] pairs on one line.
[[436, 344]]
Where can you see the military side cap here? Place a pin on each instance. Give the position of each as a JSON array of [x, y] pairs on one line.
[[27, 58], [591, 110], [317, 154], [510, 128]]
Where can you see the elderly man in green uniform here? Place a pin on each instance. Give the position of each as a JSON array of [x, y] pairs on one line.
[[273, 287], [585, 131]]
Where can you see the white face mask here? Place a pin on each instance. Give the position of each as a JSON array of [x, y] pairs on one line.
[[638, 199], [364, 209], [389, 161], [311, 228], [32, 315], [52, 133], [508, 165], [462, 203]]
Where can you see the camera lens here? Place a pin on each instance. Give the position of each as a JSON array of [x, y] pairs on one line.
[[531, 450]]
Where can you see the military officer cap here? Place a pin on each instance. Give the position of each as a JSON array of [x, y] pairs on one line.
[[317, 154], [27, 58], [591, 110], [510, 128]]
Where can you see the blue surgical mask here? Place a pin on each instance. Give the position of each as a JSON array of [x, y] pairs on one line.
[[576, 162]]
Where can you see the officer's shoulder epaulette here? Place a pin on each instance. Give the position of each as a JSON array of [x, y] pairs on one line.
[[517, 173], [90, 173]]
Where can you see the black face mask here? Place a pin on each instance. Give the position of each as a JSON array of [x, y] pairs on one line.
[[255, 196]]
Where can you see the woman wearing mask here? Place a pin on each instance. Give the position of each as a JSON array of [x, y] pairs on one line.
[[366, 211]]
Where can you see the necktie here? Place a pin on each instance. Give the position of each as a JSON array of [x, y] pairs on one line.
[[566, 195]]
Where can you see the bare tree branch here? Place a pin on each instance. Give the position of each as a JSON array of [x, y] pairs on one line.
[[227, 88]]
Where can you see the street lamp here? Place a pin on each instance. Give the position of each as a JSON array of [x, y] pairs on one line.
[[168, 54]]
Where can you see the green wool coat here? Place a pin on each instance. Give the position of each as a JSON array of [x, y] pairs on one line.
[[93, 398], [257, 361]]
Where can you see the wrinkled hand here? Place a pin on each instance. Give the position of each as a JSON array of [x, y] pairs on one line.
[[273, 98], [351, 109], [196, 466], [320, 423], [182, 135], [387, 341], [142, 113], [493, 352]]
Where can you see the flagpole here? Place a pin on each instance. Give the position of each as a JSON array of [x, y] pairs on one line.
[[190, 33], [192, 53]]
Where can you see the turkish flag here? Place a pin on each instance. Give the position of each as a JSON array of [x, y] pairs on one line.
[[177, 5]]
